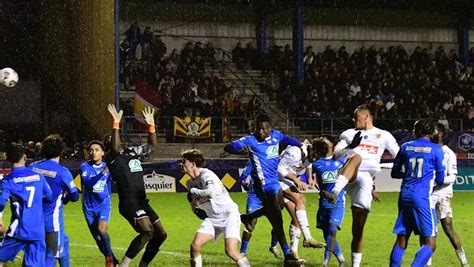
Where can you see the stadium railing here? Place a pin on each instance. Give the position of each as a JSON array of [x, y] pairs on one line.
[[224, 129]]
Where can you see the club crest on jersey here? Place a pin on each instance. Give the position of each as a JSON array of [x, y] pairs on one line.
[[272, 151], [99, 187], [378, 136], [135, 165], [330, 176]]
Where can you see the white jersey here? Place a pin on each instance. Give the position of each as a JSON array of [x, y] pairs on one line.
[[291, 161], [211, 195], [450, 162], [374, 142]]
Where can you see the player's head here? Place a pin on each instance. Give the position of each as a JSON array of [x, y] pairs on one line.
[[322, 146], [53, 146], [363, 119], [192, 160], [16, 153], [423, 128], [96, 150], [264, 127], [439, 133]]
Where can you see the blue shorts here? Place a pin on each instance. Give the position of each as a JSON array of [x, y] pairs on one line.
[[328, 216], [421, 221], [253, 202], [53, 222], [272, 189], [34, 251], [99, 214]]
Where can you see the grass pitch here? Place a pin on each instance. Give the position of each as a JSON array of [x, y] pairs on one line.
[[181, 225]]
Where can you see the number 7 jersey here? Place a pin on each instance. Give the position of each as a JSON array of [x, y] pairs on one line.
[[25, 190]]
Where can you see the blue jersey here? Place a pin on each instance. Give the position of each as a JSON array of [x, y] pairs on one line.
[[265, 155], [58, 178], [419, 163], [96, 186], [327, 171], [25, 189]]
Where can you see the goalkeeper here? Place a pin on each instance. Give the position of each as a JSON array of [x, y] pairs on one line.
[[127, 172], [211, 202]]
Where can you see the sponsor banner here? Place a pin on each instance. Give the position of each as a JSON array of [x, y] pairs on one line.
[[465, 179], [195, 127], [167, 176]]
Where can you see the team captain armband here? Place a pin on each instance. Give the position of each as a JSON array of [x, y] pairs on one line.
[[116, 125]]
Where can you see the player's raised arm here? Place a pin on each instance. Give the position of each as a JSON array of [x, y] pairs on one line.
[[398, 169], [290, 141], [344, 146], [237, 146], [116, 143], [149, 115]]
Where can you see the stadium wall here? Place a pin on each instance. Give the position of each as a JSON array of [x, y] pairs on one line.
[[79, 55], [226, 36]]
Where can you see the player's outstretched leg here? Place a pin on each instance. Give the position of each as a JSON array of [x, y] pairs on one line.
[[398, 250], [273, 246], [447, 224], [347, 174], [231, 250], [332, 246], [247, 235], [359, 217], [425, 251], [295, 229], [199, 240], [273, 209], [146, 233], [300, 206], [153, 246]]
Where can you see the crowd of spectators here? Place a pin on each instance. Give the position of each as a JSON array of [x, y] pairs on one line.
[[426, 83], [182, 86]]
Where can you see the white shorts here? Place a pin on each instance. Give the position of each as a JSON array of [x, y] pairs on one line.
[[361, 190], [286, 184], [443, 207], [230, 226]]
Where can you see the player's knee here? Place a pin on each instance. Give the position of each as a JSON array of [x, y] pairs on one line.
[[195, 249], [146, 236], [356, 159], [162, 235], [229, 251], [332, 230], [301, 200], [102, 228]]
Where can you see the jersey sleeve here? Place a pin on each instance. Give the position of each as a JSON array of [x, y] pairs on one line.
[[246, 172], [438, 165], [289, 160], [398, 169], [89, 178], [4, 193], [451, 163], [241, 143], [209, 186], [68, 181], [391, 144], [286, 140], [344, 141], [47, 192]]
